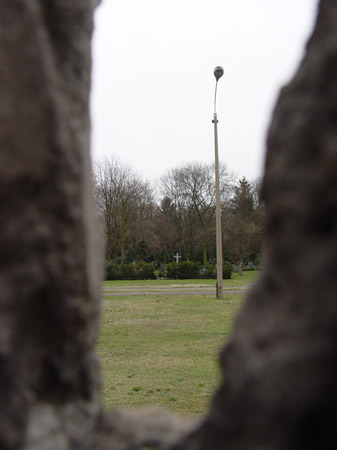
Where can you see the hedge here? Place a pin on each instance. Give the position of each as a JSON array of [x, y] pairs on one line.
[[138, 271], [181, 271], [191, 270]]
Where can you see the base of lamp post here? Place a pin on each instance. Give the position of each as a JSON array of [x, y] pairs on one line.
[[219, 292]]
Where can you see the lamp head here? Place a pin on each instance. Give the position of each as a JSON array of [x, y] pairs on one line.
[[218, 72]]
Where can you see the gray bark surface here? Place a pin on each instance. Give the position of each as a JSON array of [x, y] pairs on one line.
[[50, 268]]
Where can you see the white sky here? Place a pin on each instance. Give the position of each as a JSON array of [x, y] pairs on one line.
[[153, 83]]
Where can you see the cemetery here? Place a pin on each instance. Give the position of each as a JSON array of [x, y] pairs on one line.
[[276, 385]]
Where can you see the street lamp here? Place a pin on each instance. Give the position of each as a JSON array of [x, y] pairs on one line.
[[218, 72]]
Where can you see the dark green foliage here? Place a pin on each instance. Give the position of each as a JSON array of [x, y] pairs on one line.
[[145, 271], [243, 200], [139, 271], [128, 272], [188, 269], [112, 271], [208, 271], [142, 250], [243, 225], [191, 270], [183, 271], [172, 270], [227, 269]]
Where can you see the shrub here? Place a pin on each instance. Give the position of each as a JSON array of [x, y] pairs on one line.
[[188, 269], [227, 269], [172, 270], [142, 271], [208, 271], [127, 272], [112, 271], [145, 271]]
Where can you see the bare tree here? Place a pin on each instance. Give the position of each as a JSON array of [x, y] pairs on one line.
[[191, 189], [106, 176], [125, 203], [140, 227], [165, 236]]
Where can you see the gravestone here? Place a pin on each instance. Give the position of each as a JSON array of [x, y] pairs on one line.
[[279, 387]]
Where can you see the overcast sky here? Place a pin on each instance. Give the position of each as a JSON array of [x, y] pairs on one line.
[[153, 83]]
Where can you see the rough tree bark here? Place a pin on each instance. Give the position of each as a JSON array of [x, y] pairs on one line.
[[279, 387], [49, 265]]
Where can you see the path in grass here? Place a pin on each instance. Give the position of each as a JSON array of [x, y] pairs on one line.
[[177, 290], [162, 349]]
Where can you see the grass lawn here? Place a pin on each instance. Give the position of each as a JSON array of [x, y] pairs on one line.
[[162, 349]]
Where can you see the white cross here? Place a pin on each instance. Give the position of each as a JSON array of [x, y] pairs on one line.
[[176, 256]]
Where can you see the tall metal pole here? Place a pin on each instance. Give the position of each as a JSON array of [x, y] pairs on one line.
[[218, 72]]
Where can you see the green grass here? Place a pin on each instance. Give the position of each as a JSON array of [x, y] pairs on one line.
[[163, 350]]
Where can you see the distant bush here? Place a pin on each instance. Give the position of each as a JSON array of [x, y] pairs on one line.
[[208, 271], [227, 269], [188, 270], [183, 271], [112, 271], [127, 272], [145, 271], [172, 270], [140, 271]]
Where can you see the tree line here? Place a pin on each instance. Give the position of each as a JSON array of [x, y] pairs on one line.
[[152, 223]]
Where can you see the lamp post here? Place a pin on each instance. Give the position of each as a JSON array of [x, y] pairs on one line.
[[218, 72]]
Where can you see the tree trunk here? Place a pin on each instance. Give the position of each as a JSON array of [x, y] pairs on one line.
[[123, 247], [239, 267], [51, 257], [205, 255], [123, 238]]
